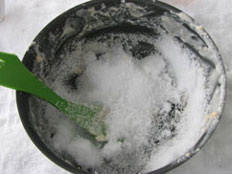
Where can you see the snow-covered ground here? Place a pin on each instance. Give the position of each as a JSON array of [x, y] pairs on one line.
[[24, 19]]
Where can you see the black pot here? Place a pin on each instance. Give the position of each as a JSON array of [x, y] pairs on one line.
[[51, 42]]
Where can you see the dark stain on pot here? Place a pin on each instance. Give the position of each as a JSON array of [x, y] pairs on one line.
[[99, 55], [195, 38], [72, 81], [52, 135], [143, 49]]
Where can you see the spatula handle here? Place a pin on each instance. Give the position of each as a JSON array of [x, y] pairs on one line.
[[14, 74]]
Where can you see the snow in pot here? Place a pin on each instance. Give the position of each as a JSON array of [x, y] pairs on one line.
[[159, 76]]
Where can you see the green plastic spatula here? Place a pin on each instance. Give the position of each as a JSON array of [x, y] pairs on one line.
[[13, 74]]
